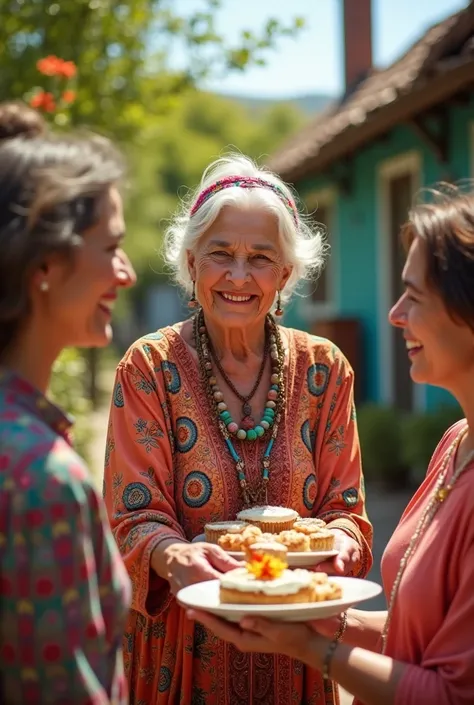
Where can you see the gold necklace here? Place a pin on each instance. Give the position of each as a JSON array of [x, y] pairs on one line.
[[440, 494]]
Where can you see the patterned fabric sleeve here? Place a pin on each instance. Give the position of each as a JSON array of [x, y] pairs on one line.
[[341, 496], [138, 480], [61, 583]]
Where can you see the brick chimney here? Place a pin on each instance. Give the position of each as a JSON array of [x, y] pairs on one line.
[[357, 41]]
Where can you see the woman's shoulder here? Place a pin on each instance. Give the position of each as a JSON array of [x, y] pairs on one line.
[[39, 461], [317, 350], [155, 347]]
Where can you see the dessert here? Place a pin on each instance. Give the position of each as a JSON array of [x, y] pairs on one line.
[[294, 541], [269, 519], [309, 525], [269, 548], [266, 580], [215, 530], [238, 541], [322, 540]]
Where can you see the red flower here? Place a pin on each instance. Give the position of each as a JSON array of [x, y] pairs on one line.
[[54, 66], [69, 96], [43, 101], [67, 69], [49, 66]]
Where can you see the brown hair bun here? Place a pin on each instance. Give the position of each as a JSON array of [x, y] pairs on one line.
[[19, 120]]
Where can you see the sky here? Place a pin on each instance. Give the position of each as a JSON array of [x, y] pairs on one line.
[[313, 63]]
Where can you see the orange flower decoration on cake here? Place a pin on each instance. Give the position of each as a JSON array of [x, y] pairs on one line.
[[266, 567]]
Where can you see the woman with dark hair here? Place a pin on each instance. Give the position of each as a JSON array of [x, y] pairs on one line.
[[64, 592], [420, 651]]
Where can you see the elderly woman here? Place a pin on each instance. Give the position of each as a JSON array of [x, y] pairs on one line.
[[224, 411], [420, 652], [64, 589]]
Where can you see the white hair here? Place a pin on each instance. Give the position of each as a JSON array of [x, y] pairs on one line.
[[303, 245]]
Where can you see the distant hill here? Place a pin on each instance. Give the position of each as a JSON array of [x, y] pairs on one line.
[[308, 104]]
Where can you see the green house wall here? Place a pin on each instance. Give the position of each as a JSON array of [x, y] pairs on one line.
[[356, 257]]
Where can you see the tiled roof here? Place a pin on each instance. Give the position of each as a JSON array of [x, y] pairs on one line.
[[429, 56]]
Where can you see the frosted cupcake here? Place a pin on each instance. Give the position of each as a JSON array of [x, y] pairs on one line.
[[214, 531], [269, 519], [308, 525], [268, 548], [322, 540]]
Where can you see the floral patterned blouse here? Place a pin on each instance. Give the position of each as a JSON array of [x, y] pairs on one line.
[[64, 592], [168, 472]]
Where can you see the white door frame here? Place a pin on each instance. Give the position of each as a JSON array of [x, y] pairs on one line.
[[406, 163], [312, 310]]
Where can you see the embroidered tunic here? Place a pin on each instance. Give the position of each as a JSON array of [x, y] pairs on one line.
[[168, 472], [63, 588]]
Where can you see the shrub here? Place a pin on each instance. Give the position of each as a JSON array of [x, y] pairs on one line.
[[380, 432], [67, 391], [421, 434]]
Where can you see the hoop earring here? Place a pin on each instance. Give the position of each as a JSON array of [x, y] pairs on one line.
[[193, 303], [44, 286], [278, 310]]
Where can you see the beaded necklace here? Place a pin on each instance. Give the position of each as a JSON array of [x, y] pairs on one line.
[[440, 494], [270, 421]]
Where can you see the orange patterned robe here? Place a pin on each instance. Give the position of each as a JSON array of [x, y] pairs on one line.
[[168, 472]]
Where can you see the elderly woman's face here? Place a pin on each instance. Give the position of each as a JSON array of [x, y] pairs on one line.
[[238, 266]]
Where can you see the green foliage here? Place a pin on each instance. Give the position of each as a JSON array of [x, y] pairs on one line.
[[380, 432], [422, 432], [121, 51], [67, 391]]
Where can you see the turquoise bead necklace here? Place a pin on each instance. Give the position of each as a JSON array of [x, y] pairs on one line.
[[270, 420]]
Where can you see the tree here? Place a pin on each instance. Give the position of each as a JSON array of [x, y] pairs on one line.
[[120, 48]]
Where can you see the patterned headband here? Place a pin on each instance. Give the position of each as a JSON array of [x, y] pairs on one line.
[[244, 182]]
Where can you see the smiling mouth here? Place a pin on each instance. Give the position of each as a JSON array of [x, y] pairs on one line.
[[413, 347], [236, 298], [107, 306]]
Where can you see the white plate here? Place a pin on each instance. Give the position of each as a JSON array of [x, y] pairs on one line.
[[298, 559], [205, 596]]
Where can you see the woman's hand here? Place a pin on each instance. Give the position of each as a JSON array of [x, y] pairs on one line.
[[187, 563], [260, 635], [349, 555]]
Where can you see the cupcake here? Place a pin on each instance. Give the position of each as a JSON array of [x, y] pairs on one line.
[[294, 541], [266, 582], [275, 549], [214, 531], [269, 519], [309, 525], [322, 540], [238, 541]]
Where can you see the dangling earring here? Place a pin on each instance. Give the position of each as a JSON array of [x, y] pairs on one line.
[[44, 286], [279, 310], [193, 303]]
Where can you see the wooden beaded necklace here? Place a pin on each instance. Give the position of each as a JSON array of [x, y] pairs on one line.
[[440, 494], [271, 417]]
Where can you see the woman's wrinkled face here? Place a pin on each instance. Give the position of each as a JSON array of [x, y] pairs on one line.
[[78, 304], [238, 266], [441, 350]]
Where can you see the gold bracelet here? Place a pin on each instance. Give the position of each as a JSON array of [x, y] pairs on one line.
[[342, 628], [328, 659]]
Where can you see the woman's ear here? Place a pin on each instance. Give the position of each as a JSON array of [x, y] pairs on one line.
[[191, 264]]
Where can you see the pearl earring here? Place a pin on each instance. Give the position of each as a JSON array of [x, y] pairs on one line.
[[44, 286]]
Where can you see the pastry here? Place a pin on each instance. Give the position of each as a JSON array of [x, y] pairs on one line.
[[215, 530], [238, 541], [269, 519], [267, 582], [269, 548], [309, 525], [294, 541], [322, 540]]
